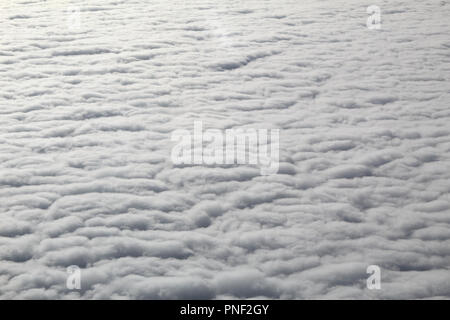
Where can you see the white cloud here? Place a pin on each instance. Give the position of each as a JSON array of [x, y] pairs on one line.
[[86, 176]]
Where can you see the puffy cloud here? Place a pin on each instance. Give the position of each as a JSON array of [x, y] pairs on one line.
[[86, 176]]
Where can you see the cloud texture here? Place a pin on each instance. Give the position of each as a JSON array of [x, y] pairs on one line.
[[85, 171]]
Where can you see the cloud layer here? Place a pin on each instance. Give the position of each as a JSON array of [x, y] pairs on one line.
[[85, 171]]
